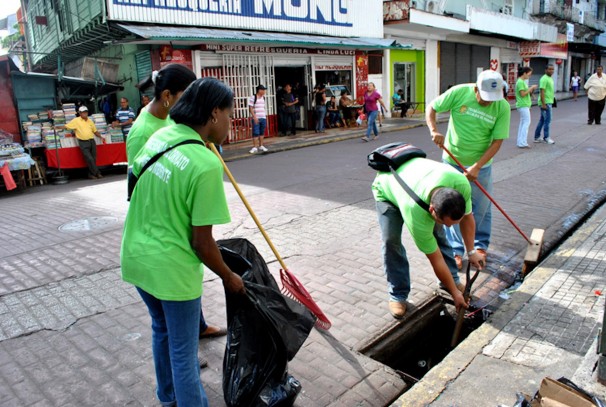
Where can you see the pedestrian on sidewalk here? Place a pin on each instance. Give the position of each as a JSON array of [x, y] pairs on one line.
[[289, 111], [85, 131], [479, 122], [334, 117], [575, 84], [371, 97], [596, 96], [168, 237], [320, 102], [256, 107], [523, 103], [169, 84], [449, 196], [545, 103]]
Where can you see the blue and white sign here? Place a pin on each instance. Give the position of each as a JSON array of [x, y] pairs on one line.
[[346, 18]]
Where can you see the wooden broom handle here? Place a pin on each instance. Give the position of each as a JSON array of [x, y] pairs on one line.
[[245, 202]]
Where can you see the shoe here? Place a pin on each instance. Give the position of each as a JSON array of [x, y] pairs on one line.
[[366, 139], [549, 140], [598, 123], [99, 176], [253, 150], [263, 149], [459, 261], [397, 309], [213, 332], [92, 177], [526, 146], [375, 137], [538, 140], [589, 122]]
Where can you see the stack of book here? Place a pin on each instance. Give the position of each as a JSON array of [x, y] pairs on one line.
[[34, 133], [58, 117], [69, 110], [43, 115], [52, 140], [116, 135]]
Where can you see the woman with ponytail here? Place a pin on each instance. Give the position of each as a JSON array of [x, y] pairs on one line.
[[169, 83]]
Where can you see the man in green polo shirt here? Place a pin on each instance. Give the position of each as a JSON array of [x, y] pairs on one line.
[[479, 122], [449, 196], [545, 103]]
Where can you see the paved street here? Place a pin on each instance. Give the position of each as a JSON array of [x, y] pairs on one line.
[[71, 333]]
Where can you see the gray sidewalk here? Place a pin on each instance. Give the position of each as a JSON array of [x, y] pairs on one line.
[[72, 333]]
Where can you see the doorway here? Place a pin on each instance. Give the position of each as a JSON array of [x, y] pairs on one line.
[[295, 76], [404, 78]]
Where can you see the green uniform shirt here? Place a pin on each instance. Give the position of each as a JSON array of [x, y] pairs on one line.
[[546, 83], [184, 188], [522, 101], [422, 176], [472, 127], [145, 125]]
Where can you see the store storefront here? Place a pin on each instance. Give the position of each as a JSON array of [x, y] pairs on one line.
[[461, 63], [538, 55], [407, 72]]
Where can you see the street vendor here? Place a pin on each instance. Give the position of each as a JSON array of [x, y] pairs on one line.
[[85, 131]]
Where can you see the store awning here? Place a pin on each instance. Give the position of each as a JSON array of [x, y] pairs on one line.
[[194, 35], [75, 88]]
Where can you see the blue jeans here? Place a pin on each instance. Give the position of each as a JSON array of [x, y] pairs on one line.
[[320, 115], [175, 335], [523, 127], [372, 123], [544, 123], [395, 263], [482, 214], [259, 128]]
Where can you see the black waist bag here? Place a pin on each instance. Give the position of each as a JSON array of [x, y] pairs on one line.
[[132, 178], [393, 155], [390, 157]]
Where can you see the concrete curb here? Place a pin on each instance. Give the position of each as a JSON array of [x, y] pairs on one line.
[[442, 375]]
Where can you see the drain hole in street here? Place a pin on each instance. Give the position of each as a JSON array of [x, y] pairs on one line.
[[423, 341]]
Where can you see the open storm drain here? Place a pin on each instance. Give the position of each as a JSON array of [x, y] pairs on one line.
[[88, 224]]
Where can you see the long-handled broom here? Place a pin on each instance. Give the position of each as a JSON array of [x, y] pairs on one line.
[[290, 284]]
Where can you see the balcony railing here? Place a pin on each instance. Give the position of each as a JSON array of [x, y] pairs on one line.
[[573, 14]]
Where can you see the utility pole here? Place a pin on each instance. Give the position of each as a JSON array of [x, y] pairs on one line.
[[28, 55]]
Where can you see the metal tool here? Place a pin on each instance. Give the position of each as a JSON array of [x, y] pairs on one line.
[[466, 295]]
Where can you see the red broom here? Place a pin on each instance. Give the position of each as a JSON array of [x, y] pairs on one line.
[[290, 284]]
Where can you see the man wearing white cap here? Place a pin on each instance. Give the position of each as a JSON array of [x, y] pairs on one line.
[[85, 131], [479, 122]]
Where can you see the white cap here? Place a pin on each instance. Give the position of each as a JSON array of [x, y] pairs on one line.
[[83, 109], [490, 85]]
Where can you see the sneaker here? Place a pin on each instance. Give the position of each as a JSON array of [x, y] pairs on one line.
[[549, 140], [254, 150], [459, 261], [263, 149], [538, 140], [365, 139], [397, 309]]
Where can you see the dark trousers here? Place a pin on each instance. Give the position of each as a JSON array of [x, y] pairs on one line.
[[594, 110], [403, 108], [89, 151], [289, 121]]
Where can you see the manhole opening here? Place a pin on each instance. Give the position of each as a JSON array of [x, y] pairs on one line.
[[423, 341]]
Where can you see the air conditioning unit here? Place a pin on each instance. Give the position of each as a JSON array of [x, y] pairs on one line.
[[431, 6]]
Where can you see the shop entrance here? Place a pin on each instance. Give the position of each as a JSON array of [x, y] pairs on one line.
[[295, 76]]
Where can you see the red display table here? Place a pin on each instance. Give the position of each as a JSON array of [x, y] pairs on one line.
[[71, 157]]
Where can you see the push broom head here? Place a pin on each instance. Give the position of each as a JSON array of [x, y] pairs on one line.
[[294, 289]]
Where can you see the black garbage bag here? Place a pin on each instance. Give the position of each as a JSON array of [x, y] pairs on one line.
[[265, 331]]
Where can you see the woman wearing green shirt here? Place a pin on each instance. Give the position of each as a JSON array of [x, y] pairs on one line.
[[168, 239], [523, 103]]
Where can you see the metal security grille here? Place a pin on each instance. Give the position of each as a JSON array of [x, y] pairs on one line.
[[143, 62], [243, 73]]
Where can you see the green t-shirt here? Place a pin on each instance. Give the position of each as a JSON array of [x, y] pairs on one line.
[[546, 83], [184, 188], [422, 176], [522, 101], [472, 127], [145, 125]]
